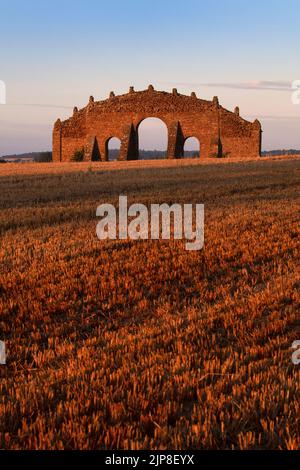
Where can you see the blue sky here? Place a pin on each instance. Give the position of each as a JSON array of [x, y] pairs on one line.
[[57, 53]]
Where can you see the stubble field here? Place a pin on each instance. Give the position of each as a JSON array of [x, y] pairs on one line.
[[142, 344]]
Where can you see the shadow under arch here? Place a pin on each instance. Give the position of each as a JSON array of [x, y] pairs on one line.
[[191, 147], [112, 148], [152, 138]]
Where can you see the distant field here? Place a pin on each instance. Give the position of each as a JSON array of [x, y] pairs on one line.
[[135, 345], [70, 167]]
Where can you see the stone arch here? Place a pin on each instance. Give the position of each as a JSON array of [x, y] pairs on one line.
[[115, 143], [192, 144], [144, 137]]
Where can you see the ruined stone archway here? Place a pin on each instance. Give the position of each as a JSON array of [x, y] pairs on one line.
[[221, 132]]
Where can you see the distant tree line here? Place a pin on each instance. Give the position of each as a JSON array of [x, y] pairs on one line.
[[153, 154], [269, 153], [41, 157], [34, 156]]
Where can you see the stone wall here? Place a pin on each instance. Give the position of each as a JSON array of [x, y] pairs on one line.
[[220, 132]]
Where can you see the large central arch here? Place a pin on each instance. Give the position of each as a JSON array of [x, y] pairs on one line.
[[152, 135], [221, 132]]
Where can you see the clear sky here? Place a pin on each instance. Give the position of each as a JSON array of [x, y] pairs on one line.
[[54, 54]]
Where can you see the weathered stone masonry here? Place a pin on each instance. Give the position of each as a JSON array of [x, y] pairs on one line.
[[219, 131]]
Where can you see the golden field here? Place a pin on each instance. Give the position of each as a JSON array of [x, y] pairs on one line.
[[142, 344]]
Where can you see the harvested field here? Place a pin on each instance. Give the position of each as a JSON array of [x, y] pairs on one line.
[[142, 344]]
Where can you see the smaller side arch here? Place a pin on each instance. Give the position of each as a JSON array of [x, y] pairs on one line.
[[191, 147], [112, 148]]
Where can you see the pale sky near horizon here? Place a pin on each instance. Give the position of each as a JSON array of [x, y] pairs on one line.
[[54, 54]]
